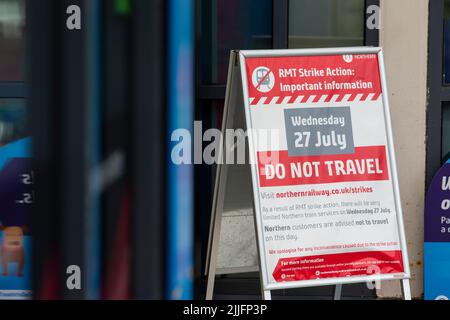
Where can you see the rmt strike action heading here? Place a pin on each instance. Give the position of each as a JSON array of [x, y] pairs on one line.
[[315, 72]]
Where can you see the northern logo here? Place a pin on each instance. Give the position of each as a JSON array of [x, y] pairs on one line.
[[348, 58]]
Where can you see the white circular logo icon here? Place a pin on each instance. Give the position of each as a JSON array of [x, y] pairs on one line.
[[263, 79], [441, 298], [348, 58]]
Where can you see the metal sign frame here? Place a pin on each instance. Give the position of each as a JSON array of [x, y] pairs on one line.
[[219, 196]]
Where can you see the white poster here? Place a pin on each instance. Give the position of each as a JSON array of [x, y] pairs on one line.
[[324, 176]]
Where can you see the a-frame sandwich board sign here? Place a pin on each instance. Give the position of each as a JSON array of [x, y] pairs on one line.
[[324, 186]]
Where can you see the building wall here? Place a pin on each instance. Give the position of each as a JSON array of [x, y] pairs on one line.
[[404, 37]]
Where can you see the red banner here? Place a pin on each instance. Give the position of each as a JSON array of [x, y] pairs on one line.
[[366, 164], [313, 78], [338, 265]]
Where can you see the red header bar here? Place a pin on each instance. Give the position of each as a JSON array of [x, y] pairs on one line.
[[313, 79]]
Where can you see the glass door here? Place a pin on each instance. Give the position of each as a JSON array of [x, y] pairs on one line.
[[266, 24]]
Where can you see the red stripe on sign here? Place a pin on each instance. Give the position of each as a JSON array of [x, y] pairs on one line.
[[340, 97], [299, 99], [314, 98], [304, 99], [376, 96], [353, 97], [277, 100], [277, 168], [292, 99], [255, 101], [364, 97], [338, 265], [317, 99]]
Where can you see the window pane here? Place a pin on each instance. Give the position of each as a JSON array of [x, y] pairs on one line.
[[447, 42], [12, 28], [446, 131], [13, 120], [227, 25], [326, 23]]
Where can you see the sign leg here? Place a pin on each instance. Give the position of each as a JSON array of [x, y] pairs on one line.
[[338, 292], [210, 285], [266, 295], [406, 289], [213, 255]]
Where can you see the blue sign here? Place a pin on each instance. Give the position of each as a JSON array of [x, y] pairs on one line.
[[437, 237], [16, 198]]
